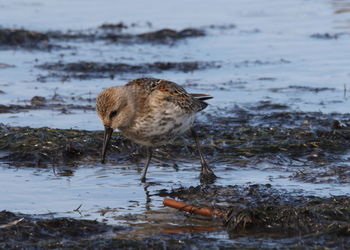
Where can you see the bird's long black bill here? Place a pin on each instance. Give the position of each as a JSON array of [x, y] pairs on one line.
[[106, 139]]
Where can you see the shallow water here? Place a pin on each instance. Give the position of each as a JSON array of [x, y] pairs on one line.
[[274, 34], [36, 191]]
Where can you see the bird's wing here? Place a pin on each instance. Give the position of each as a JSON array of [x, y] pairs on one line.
[[172, 92]]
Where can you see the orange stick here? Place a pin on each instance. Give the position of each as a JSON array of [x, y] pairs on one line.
[[188, 208]]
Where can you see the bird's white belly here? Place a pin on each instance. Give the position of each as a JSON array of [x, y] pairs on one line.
[[171, 124], [162, 126], [179, 126]]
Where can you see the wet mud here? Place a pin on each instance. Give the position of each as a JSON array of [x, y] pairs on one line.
[[85, 70], [112, 33], [89, 70], [259, 62], [254, 213], [23, 231], [329, 36], [41, 103], [168, 36], [117, 26], [303, 88], [262, 211], [18, 231], [317, 142], [43, 146], [24, 38]]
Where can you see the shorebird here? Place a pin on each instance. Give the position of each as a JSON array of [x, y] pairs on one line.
[[151, 112]]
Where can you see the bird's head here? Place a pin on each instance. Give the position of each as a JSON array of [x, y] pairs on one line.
[[114, 110]]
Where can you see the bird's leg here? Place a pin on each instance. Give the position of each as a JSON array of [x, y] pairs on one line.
[[207, 175], [148, 160]]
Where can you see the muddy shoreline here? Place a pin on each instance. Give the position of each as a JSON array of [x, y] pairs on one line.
[[228, 139], [256, 212], [112, 33]]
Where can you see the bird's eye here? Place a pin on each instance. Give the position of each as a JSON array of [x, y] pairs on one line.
[[112, 114]]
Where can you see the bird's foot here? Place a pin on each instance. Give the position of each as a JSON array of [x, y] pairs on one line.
[[207, 175], [143, 179]]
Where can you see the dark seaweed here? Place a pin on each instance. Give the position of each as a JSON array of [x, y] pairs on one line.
[[23, 38], [262, 211], [89, 70]]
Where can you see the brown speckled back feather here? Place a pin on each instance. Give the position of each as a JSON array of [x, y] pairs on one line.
[[173, 93]]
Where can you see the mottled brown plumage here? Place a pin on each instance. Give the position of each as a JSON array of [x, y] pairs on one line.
[[149, 111], [172, 92]]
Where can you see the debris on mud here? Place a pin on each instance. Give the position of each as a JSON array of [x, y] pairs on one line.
[[113, 33], [222, 26], [267, 105], [36, 103], [267, 79], [55, 102], [31, 232], [262, 211], [315, 142], [272, 139], [42, 146], [328, 36], [118, 26], [247, 63], [28, 39], [168, 36], [24, 38], [311, 89], [88, 70], [255, 213], [303, 88], [13, 108]]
